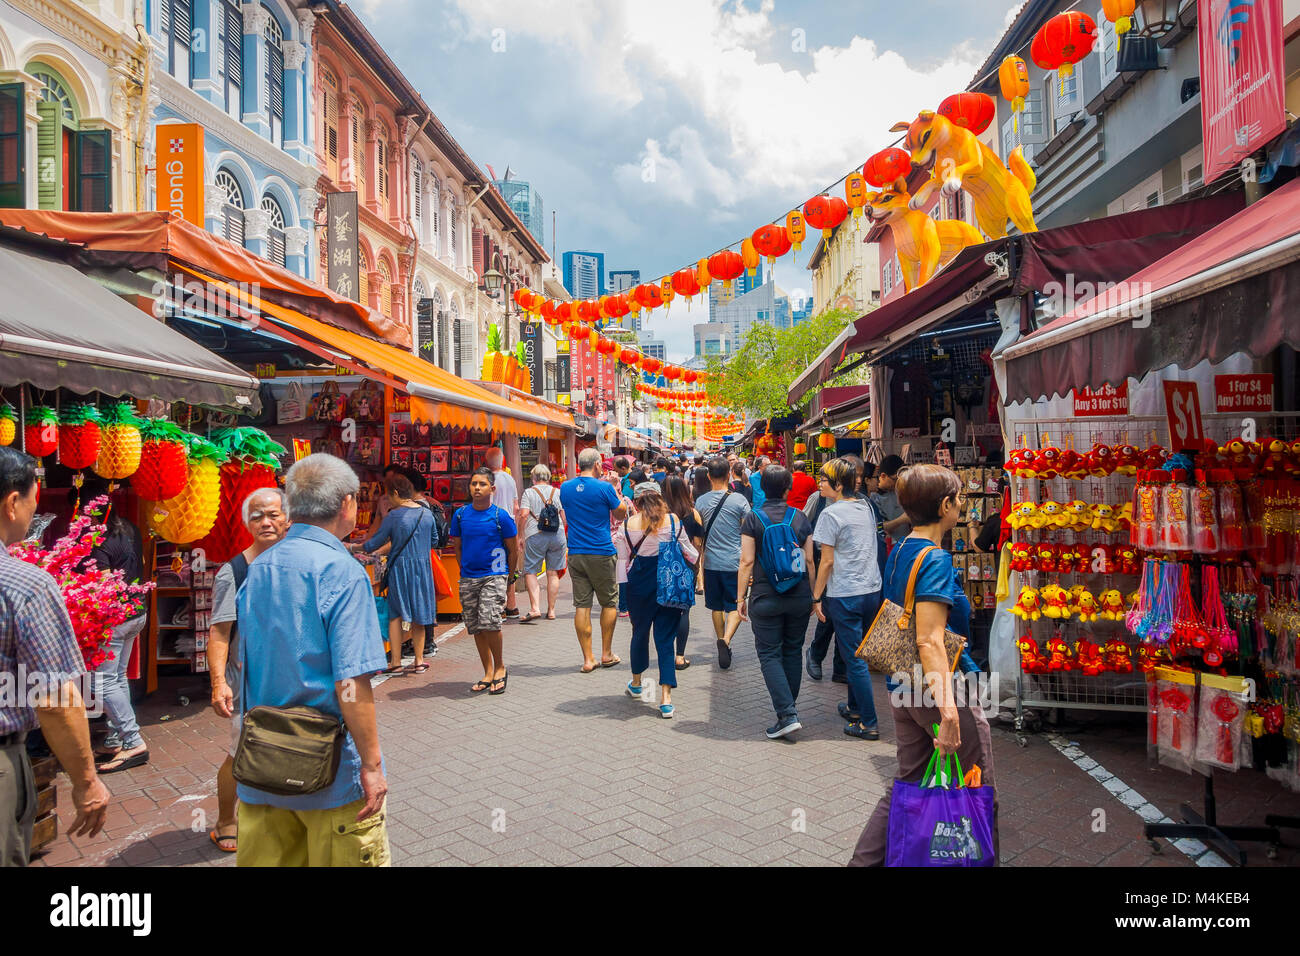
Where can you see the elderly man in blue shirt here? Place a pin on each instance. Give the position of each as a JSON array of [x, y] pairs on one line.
[[310, 637]]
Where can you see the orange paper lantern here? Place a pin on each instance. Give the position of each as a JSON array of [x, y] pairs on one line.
[[886, 166], [772, 241], [666, 293], [1013, 79], [673, 372], [1120, 13], [648, 295], [795, 228], [855, 193], [548, 311], [1063, 41], [616, 306], [702, 275], [650, 364], [726, 265], [689, 376], [564, 312], [749, 256], [972, 111]]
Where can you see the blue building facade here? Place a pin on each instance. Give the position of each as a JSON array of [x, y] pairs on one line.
[[584, 273], [241, 71]]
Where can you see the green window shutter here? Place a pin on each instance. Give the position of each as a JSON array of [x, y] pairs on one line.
[[94, 159], [49, 155], [12, 148]]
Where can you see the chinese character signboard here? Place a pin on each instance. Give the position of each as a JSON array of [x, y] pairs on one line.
[[1242, 79], [180, 170], [562, 384], [1107, 400], [531, 335], [341, 245], [1243, 393]]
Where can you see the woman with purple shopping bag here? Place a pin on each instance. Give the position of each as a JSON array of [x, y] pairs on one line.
[[931, 497]]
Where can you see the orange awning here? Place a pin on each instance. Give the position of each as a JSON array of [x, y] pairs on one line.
[[137, 240], [560, 418], [436, 395]]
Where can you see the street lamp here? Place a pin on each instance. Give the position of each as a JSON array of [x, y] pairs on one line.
[[492, 280], [1158, 16]]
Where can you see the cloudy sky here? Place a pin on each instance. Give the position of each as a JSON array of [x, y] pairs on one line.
[[660, 131]]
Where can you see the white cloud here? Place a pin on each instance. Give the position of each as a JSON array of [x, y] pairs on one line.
[[1011, 14]]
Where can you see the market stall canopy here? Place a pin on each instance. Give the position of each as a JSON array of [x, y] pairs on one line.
[[561, 418], [837, 405], [1229, 290], [150, 240], [1098, 250], [59, 328]]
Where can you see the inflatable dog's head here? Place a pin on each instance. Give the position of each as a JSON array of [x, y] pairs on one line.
[[889, 202], [924, 134]]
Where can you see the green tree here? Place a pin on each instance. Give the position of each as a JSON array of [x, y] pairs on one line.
[[757, 378]]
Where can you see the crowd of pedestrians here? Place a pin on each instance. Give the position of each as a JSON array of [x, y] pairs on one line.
[[294, 621]]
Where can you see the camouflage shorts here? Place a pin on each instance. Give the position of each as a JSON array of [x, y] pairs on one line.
[[482, 601]]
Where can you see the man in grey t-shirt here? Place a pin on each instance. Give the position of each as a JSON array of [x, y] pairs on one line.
[[266, 520], [722, 512]]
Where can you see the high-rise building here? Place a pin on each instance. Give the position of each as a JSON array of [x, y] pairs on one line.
[[765, 305], [620, 280], [584, 274], [712, 338], [527, 204], [802, 314], [652, 346], [741, 285]]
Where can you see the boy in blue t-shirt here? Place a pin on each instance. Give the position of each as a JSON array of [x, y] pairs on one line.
[[485, 540]]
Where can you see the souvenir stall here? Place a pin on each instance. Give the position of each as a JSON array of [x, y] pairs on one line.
[[1155, 547]]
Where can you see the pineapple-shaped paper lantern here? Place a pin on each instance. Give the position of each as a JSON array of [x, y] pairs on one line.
[[494, 361], [120, 445], [524, 382], [79, 437], [191, 514], [800, 447], [41, 431], [252, 459], [8, 425], [163, 469], [825, 439]]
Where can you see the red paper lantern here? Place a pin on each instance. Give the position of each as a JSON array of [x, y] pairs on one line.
[[629, 357], [690, 376], [772, 241], [547, 311], [589, 311], [886, 166], [650, 364], [616, 306], [972, 111], [524, 299], [673, 372], [684, 283], [564, 312], [726, 265], [606, 346], [825, 213], [648, 295], [1063, 41]]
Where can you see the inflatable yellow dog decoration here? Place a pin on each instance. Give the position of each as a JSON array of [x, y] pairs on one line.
[[923, 244], [958, 160]]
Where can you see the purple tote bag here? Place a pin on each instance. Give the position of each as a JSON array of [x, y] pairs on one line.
[[940, 821]]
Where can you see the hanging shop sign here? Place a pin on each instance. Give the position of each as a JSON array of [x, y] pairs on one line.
[[531, 336], [180, 169], [562, 372], [1098, 402], [341, 244], [1243, 393], [1242, 79], [1183, 411]]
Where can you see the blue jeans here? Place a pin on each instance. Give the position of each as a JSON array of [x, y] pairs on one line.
[[622, 598], [822, 640], [647, 616], [123, 731], [779, 624], [851, 617]]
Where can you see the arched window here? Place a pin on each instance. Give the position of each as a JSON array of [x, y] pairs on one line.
[[231, 43], [73, 165], [363, 270], [385, 288], [232, 206], [275, 230], [275, 76], [55, 92]]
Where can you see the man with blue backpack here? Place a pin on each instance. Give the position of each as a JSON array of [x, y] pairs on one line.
[[776, 554]]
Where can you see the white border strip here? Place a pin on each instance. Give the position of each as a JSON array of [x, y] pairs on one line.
[[1194, 850]]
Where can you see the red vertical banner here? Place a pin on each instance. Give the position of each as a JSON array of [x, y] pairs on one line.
[[1243, 79], [1183, 410]]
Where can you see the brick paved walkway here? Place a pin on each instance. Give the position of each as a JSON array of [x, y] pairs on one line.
[[565, 769]]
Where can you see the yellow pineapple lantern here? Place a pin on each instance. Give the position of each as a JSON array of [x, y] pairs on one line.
[[192, 513], [8, 425], [119, 443]]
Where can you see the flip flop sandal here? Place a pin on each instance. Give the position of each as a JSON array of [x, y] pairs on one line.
[[479, 686], [686, 662], [104, 756], [398, 671], [218, 840], [494, 692], [529, 618], [124, 763], [584, 669], [420, 668], [615, 661], [724, 654]]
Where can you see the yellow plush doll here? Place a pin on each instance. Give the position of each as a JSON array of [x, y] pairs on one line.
[[1103, 517], [1047, 517], [1056, 602], [1085, 605], [1074, 516], [1026, 606], [1022, 515], [1112, 605]]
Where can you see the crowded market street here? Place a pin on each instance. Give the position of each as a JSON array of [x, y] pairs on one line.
[[572, 772]]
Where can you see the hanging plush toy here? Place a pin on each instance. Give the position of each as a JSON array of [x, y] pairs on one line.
[[1101, 461], [1021, 556], [1073, 516], [1022, 515], [1088, 659], [1086, 605], [1111, 605], [1032, 660], [1026, 606], [1048, 514], [1056, 603], [1127, 459], [1101, 517], [1058, 654], [1048, 463], [1117, 656]]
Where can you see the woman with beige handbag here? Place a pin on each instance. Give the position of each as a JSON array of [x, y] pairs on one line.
[[922, 594]]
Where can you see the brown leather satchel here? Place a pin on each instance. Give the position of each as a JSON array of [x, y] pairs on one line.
[[890, 643]]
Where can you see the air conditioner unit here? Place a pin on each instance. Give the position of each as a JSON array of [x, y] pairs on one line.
[[1138, 54]]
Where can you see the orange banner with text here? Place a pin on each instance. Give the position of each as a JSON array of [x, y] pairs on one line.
[[179, 174]]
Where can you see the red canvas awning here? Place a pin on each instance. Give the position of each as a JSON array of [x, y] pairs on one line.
[[1228, 290], [142, 240], [1097, 250]]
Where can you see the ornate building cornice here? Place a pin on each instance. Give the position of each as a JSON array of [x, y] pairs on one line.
[[76, 23]]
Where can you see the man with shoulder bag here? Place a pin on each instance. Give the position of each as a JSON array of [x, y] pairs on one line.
[[309, 768], [723, 512]]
